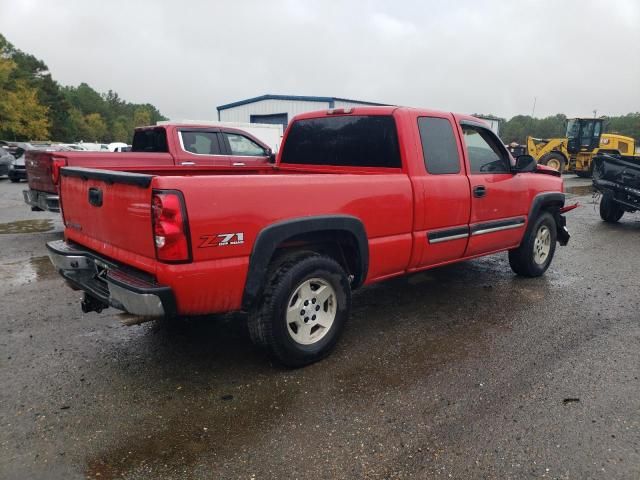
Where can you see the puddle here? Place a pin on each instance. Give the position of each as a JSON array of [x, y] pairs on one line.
[[579, 189], [26, 226], [26, 271]]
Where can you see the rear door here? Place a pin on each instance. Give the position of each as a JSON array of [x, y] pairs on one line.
[[442, 224], [201, 147], [499, 198], [242, 150]]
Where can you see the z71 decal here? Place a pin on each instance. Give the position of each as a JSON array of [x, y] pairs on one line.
[[221, 240]]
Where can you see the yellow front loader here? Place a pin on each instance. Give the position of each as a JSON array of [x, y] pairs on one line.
[[575, 152]]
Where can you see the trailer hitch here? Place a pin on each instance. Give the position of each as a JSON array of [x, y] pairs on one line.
[[92, 304]]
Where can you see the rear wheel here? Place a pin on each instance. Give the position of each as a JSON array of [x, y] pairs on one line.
[[534, 255], [553, 160], [610, 211], [303, 310]]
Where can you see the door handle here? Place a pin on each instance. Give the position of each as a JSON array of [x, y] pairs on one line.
[[187, 163], [239, 164], [479, 191]]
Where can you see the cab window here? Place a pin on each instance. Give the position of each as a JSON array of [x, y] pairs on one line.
[[241, 145], [484, 151]]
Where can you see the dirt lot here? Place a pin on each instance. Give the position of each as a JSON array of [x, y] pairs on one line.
[[462, 372]]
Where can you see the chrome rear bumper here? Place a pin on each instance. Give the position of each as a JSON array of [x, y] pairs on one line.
[[109, 284], [42, 200]]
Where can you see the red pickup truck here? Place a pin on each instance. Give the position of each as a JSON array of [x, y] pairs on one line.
[[357, 196], [161, 148]]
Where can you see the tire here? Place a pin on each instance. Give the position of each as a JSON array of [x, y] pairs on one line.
[[554, 159], [610, 211], [14, 179], [534, 255], [586, 174], [296, 325]]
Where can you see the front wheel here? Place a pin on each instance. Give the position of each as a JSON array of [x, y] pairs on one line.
[[553, 160], [534, 255], [303, 310]]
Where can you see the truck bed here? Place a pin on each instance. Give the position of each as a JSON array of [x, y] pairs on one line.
[[120, 227]]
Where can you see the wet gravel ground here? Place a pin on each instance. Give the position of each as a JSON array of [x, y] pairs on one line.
[[462, 372]]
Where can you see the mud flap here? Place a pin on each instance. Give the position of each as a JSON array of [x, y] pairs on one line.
[[561, 227]]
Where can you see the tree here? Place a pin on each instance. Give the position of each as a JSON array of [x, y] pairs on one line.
[[21, 114], [95, 128], [141, 117]]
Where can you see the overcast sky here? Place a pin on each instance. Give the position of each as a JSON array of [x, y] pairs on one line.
[[482, 56]]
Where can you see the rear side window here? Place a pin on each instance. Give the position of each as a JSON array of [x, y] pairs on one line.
[[154, 140], [200, 142], [346, 141], [439, 147]]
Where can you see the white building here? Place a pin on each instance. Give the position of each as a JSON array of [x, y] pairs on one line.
[[280, 109]]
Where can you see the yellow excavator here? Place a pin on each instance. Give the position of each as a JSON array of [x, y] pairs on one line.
[[583, 141]]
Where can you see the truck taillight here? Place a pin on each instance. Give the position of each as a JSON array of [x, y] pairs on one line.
[[56, 165], [170, 229]]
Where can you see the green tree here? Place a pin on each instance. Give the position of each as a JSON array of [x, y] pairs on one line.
[[95, 127], [21, 114], [141, 117]]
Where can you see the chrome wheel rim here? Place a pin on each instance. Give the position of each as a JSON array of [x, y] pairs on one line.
[[542, 245], [311, 311]]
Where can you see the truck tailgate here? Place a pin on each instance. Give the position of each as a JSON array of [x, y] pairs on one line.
[[38, 165], [110, 212]]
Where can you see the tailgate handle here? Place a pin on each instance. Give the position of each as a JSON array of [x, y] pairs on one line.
[[95, 197]]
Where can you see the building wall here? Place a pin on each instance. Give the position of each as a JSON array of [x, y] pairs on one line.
[[494, 124], [242, 113], [342, 104]]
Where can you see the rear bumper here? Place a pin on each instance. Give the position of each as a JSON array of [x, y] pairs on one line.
[[109, 283], [17, 172], [42, 200]]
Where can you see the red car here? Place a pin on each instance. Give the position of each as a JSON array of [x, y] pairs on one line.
[[155, 149], [357, 196]]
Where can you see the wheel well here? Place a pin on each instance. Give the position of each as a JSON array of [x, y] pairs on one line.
[[340, 245], [341, 237]]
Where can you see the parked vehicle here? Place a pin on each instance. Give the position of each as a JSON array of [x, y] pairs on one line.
[[119, 147], [5, 162], [155, 148], [267, 133], [17, 168], [617, 177], [575, 151], [357, 196]]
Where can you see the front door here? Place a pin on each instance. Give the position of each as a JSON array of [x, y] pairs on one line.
[[499, 198], [243, 151]]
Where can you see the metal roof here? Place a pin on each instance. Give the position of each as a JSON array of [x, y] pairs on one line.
[[303, 98]]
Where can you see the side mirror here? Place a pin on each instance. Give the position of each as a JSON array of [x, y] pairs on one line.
[[271, 155], [525, 163]]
